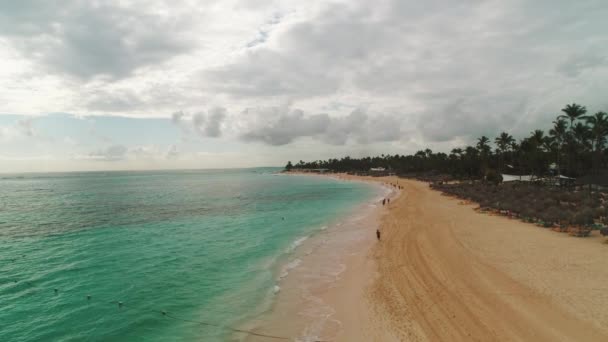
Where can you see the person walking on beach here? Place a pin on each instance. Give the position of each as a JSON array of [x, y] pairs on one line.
[[383, 201], [378, 234]]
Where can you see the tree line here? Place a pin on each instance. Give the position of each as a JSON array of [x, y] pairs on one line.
[[574, 146]]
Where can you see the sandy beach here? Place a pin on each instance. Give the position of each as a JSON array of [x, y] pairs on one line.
[[443, 272]]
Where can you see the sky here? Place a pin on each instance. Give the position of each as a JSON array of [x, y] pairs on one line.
[[108, 85]]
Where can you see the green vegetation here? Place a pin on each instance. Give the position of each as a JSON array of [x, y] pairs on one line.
[[574, 146], [289, 166], [546, 206]]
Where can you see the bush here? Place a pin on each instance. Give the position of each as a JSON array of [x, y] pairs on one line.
[[552, 214], [493, 177], [583, 216], [565, 216], [528, 212], [590, 202], [576, 197], [564, 197]]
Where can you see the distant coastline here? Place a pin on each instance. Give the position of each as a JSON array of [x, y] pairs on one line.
[[557, 180]]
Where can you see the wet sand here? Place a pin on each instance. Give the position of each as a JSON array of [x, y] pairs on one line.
[[444, 272], [323, 276]]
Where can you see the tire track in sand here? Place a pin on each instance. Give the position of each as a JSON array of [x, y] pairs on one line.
[[431, 287]]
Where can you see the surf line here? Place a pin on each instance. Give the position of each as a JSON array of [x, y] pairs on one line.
[[121, 305]]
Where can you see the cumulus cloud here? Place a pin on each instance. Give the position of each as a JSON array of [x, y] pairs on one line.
[[213, 126], [454, 70], [88, 38], [267, 73], [283, 125], [437, 71], [205, 124], [280, 126]]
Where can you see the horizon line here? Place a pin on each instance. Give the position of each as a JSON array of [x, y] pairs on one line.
[[140, 170]]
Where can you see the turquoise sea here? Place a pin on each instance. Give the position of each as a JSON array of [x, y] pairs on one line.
[[202, 246]]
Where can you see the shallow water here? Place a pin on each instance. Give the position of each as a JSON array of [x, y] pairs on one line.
[[199, 245], [306, 306]]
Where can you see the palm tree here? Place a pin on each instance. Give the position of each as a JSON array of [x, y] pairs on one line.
[[599, 132], [471, 156], [573, 113], [483, 146], [534, 148], [576, 142], [455, 158], [537, 138], [503, 142], [582, 135], [558, 133], [599, 129], [559, 130], [456, 151], [580, 143]]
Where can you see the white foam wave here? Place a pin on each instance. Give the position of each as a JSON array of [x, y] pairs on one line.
[[289, 266], [296, 243]]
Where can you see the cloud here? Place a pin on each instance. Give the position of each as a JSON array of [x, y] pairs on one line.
[[85, 39], [205, 124], [117, 153], [580, 62], [283, 125], [111, 153], [355, 73], [267, 73], [20, 129], [470, 117], [172, 153], [453, 70], [215, 118], [116, 101], [25, 126], [176, 117], [280, 126]]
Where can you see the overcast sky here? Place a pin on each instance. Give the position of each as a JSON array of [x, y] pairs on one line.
[[89, 85]]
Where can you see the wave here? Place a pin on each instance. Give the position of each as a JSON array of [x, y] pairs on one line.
[[288, 267], [297, 243]]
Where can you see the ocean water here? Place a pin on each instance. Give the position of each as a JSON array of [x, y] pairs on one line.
[[204, 247]]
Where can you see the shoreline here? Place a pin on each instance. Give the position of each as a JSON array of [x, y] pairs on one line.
[[450, 273], [307, 303], [446, 272]]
